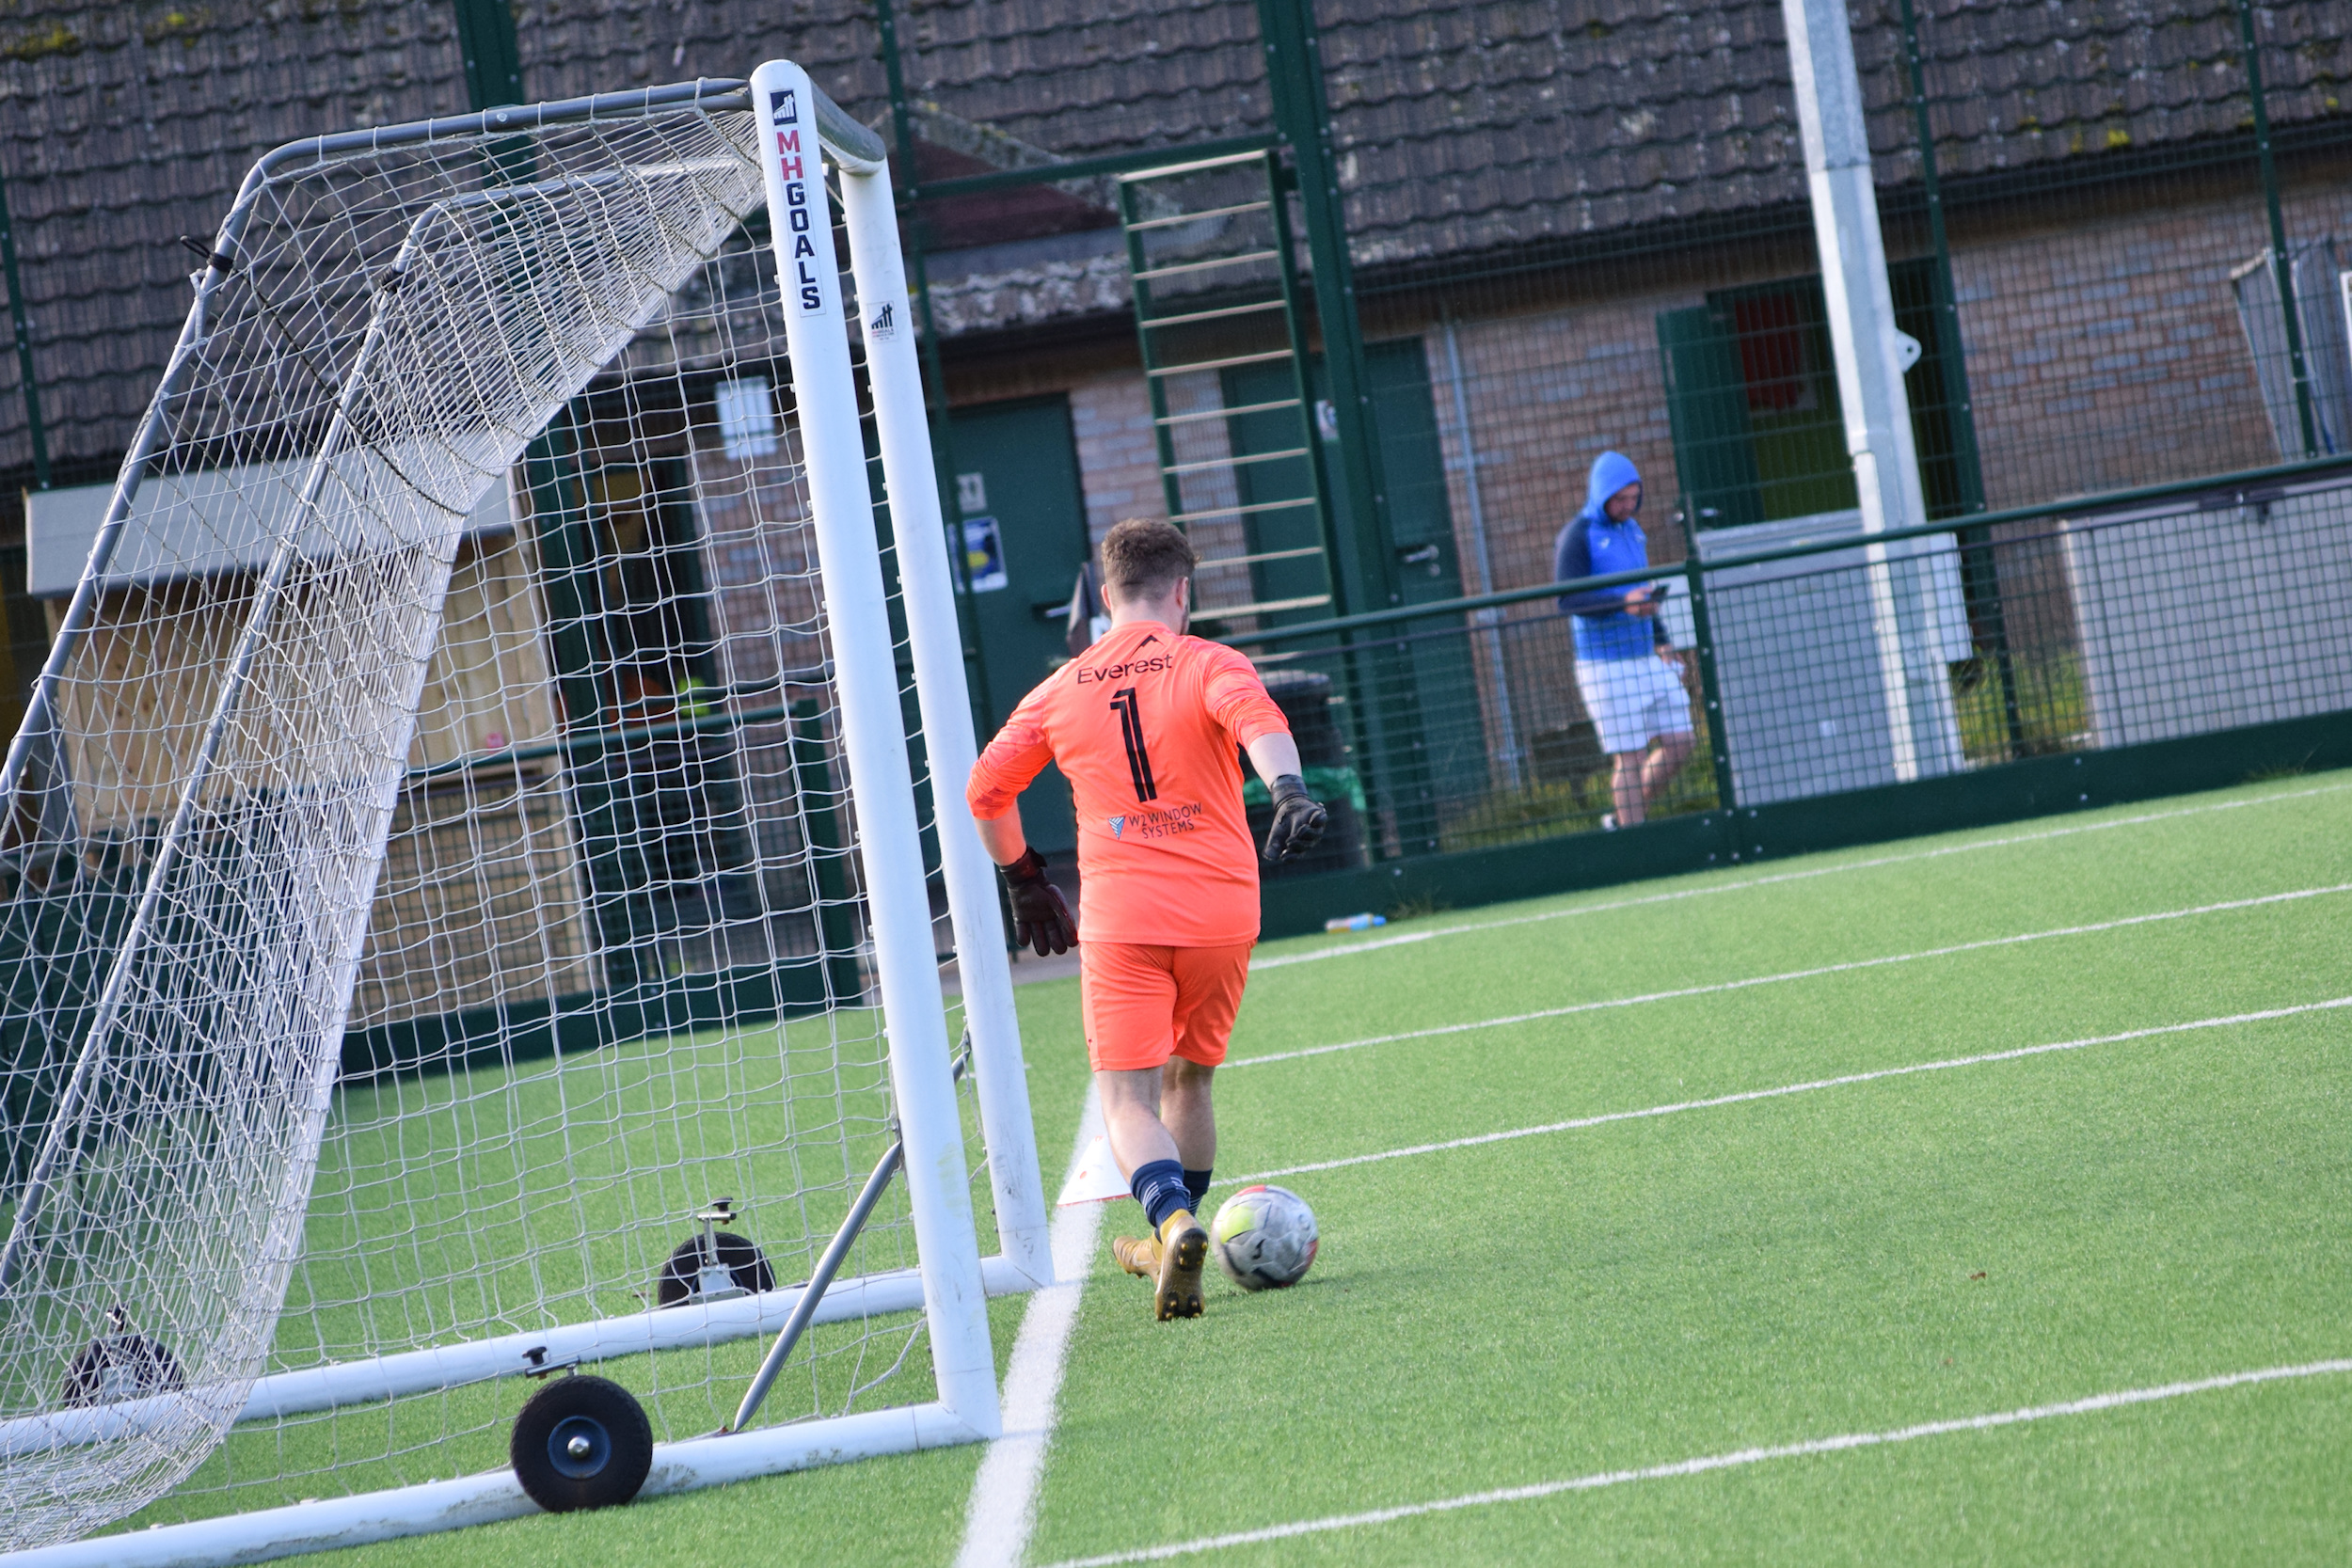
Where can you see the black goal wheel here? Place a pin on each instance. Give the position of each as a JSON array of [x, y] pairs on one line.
[[680, 1281], [581, 1442]]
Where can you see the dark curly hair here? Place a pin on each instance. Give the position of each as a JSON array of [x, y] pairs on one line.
[[1145, 558]]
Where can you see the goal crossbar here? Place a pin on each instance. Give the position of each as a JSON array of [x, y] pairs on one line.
[[153, 429]]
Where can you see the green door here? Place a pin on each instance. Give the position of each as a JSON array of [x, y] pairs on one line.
[[1025, 526], [1751, 399], [1707, 409], [1428, 570], [1430, 732]]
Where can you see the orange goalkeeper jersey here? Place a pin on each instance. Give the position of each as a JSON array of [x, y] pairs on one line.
[[1144, 726]]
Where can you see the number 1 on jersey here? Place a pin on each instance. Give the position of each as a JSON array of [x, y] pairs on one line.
[[1131, 731]]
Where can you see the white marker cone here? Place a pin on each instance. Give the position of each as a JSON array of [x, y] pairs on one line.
[[1095, 1178]]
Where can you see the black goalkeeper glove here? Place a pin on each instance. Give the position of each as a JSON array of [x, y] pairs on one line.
[[1298, 821], [1039, 918]]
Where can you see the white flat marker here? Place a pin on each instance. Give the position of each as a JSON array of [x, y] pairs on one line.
[[1003, 1510], [2090, 1406], [1093, 1176]]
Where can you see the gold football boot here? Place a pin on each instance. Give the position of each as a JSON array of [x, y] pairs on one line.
[[1182, 1247], [1137, 1254]]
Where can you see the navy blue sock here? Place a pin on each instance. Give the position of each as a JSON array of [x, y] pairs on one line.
[[1196, 1184], [1160, 1188]]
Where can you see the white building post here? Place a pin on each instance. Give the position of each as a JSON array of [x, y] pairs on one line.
[[1871, 357]]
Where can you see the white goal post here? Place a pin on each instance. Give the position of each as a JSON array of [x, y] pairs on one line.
[[423, 882]]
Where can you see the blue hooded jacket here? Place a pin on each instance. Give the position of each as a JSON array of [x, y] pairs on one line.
[[1590, 546]]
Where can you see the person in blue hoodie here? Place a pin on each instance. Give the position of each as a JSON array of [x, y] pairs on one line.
[[1629, 673]]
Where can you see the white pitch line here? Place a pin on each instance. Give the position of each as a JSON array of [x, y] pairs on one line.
[[1408, 938], [1003, 1508], [1807, 1088], [2096, 1404], [1846, 968]]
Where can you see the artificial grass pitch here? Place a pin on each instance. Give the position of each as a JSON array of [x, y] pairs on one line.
[[1766, 1273], [1851, 1258]]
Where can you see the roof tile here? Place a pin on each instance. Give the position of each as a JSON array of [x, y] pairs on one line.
[[1463, 124]]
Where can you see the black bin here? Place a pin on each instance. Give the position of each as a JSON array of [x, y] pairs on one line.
[[1304, 698]]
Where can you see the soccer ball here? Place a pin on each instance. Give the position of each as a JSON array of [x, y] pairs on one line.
[[1263, 1238]]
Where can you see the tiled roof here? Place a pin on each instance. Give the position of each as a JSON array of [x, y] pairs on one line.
[[1476, 125], [2019, 85], [123, 127], [1462, 124]]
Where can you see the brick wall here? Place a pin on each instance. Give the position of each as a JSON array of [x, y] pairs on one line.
[[2108, 353], [1118, 465], [1547, 394]]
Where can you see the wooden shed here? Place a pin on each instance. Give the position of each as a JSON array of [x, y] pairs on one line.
[[480, 902]]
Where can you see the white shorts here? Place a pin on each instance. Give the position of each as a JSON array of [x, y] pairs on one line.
[[1633, 700]]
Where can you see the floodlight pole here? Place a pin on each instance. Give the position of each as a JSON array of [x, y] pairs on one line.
[[1871, 356]]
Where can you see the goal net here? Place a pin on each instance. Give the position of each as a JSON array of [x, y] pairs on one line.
[[462, 907]]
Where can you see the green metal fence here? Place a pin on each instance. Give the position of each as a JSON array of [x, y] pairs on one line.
[[1501, 243], [2177, 634], [2113, 238]]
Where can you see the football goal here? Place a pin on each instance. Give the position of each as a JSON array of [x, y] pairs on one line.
[[471, 1026]]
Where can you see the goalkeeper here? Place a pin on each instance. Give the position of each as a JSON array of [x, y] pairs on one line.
[[1145, 724]]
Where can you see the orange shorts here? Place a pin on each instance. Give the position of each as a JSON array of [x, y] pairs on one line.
[[1142, 1004]]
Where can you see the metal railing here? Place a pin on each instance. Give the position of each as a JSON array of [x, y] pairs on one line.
[[1828, 661]]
